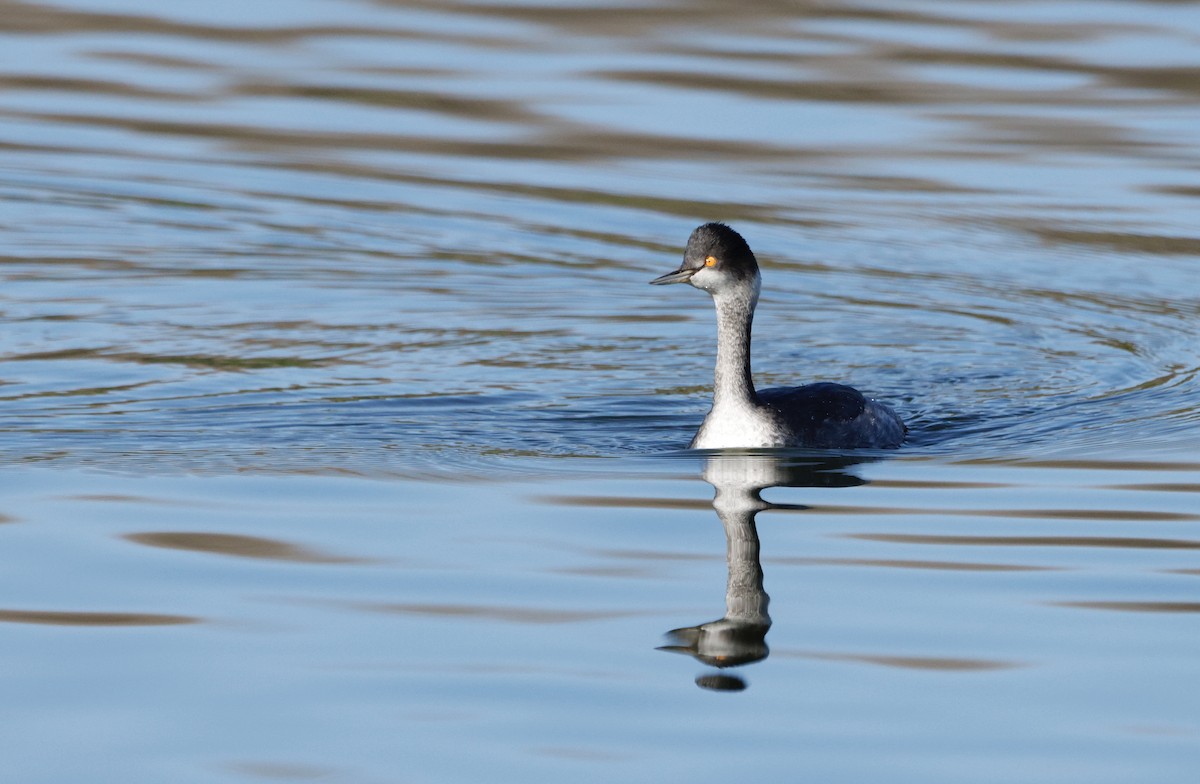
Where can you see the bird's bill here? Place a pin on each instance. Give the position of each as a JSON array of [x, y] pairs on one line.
[[678, 276]]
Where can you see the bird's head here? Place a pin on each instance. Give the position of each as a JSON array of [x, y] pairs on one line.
[[717, 260]]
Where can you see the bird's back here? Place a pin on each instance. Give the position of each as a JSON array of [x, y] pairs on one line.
[[827, 415]]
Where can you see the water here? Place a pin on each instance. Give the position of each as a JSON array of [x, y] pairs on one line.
[[342, 436]]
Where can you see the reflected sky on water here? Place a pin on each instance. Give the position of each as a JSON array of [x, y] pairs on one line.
[[342, 434]]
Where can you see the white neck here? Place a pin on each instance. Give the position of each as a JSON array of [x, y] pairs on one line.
[[732, 383]]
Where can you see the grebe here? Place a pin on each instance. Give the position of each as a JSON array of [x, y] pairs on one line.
[[822, 415]]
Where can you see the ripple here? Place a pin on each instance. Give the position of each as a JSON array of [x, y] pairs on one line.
[[530, 615], [1124, 542], [933, 663], [1138, 606], [1124, 242], [891, 563], [68, 618], [236, 545], [282, 771]]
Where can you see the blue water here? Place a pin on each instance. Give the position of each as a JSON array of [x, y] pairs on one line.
[[508, 629], [343, 439]]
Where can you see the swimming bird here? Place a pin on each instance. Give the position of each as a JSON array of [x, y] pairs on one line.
[[822, 415]]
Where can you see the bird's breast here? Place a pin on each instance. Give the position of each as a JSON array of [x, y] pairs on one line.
[[739, 427]]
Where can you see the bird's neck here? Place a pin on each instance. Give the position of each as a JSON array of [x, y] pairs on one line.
[[732, 383], [745, 599]]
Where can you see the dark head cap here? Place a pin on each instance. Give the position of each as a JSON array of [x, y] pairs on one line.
[[715, 246]]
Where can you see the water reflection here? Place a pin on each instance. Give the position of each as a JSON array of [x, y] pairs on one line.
[[739, 637]]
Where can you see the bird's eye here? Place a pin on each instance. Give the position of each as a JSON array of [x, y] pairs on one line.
[[711, 261]]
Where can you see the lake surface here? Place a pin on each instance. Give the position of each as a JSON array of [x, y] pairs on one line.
[[342, 439]]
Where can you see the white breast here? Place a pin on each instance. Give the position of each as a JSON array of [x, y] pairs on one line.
[[738, 427]]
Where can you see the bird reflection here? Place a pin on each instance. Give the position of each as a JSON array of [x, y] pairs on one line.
[[739, 638]]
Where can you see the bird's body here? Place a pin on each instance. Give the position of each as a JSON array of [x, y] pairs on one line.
[[822, 415]]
